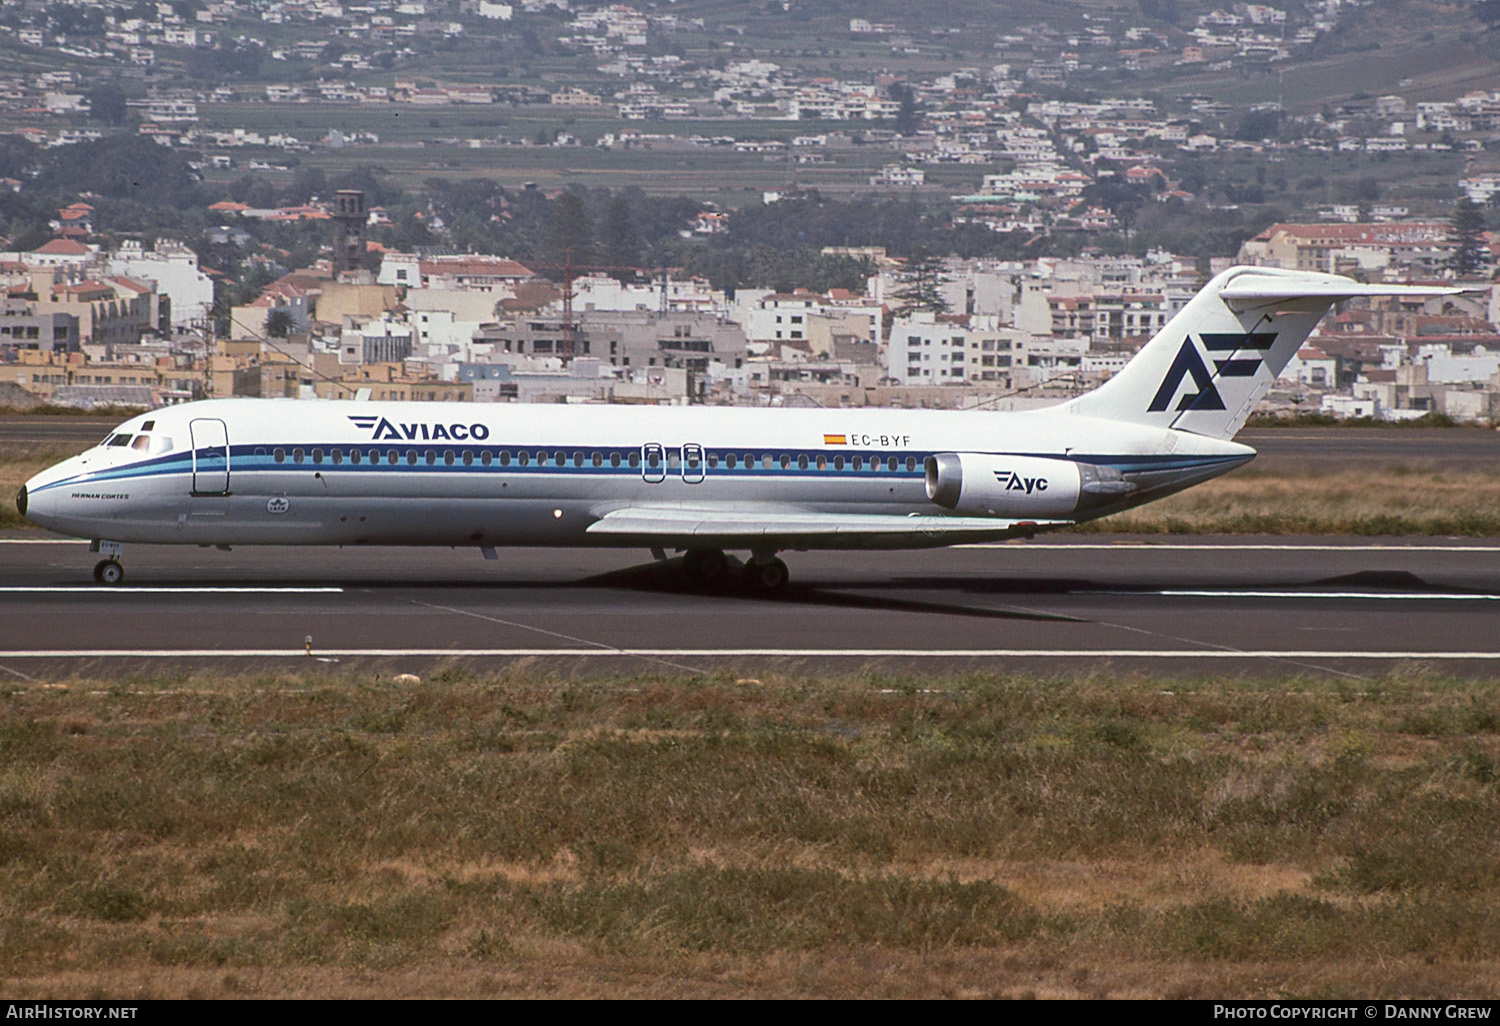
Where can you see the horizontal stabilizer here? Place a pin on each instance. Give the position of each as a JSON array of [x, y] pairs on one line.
[[1255, 287]]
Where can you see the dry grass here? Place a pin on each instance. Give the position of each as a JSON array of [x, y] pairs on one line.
[[905, 837], [19, 461], [1389, 501]]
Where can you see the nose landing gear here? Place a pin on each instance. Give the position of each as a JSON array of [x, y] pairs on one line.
[[108, 570]]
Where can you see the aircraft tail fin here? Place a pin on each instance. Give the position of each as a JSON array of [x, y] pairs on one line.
[[1218, 357]]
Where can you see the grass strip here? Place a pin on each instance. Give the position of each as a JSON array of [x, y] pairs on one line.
[[902, 835]]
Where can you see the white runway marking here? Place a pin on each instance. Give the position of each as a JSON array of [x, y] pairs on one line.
[[1404, 596], [42, 541], [104, 591], [1147, 546], [787, 653]]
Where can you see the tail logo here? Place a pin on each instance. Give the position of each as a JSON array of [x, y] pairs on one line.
[[1189, 363]]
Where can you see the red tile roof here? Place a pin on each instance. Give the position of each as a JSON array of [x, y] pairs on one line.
[[63, 247]]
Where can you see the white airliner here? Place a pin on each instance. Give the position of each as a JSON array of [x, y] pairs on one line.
[[693, 479]]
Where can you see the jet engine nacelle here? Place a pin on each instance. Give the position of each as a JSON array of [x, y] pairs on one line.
[[1016, 486]]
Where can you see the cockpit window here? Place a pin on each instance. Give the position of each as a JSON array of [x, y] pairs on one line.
[[120, 439], [141, 442]]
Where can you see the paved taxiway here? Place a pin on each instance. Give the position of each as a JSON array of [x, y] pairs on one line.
[[1261, 606]]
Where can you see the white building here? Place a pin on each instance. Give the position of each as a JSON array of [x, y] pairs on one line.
[[942, 349], [175, 270]]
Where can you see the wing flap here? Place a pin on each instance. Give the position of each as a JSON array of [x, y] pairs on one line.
[[667, 525]]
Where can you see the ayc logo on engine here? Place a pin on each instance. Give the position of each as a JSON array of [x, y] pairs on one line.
[[1013, 482]]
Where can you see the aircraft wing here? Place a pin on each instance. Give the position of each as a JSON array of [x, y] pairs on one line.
[[669, 526]]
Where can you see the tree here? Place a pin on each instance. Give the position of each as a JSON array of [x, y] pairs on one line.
[[1466, 231], [572, 231], [279, 323], [618, 237], [922, 282], [107, 103], [907, 115]]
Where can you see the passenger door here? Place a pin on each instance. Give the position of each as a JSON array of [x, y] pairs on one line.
[[210, 457]]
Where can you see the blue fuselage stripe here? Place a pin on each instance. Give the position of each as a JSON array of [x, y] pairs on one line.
[[794, 463]]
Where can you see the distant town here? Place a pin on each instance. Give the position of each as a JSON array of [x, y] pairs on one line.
[[1074, 190]]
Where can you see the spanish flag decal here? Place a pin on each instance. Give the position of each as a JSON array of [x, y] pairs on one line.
[[835, 439]]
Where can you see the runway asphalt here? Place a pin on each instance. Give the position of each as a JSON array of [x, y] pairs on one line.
[[1257, 607]]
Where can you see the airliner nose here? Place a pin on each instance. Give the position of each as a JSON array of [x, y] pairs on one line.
[[21, 500]]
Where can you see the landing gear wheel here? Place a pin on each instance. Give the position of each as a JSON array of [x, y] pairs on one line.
[[705, 566], [109, 571], [766, 578]]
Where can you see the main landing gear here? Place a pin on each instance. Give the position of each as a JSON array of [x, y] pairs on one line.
[[707, 567], [108, 570], [762, 574]]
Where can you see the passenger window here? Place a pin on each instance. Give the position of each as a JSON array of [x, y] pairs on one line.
[[713, 460], [731, 461], [635, 459], [786, 461], [297, 455], [411, 457], [859, 463], [485, 458], [822, 462], [578, 459], [468, 458], [431, 457], [890, 464], [560, 458], [911, 463], [765, 461], [354, 456], [597, 459], [317, 455], [392, 457], [338, 456], [279, 455], [614, 459], [801, 462], [838, 463]]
